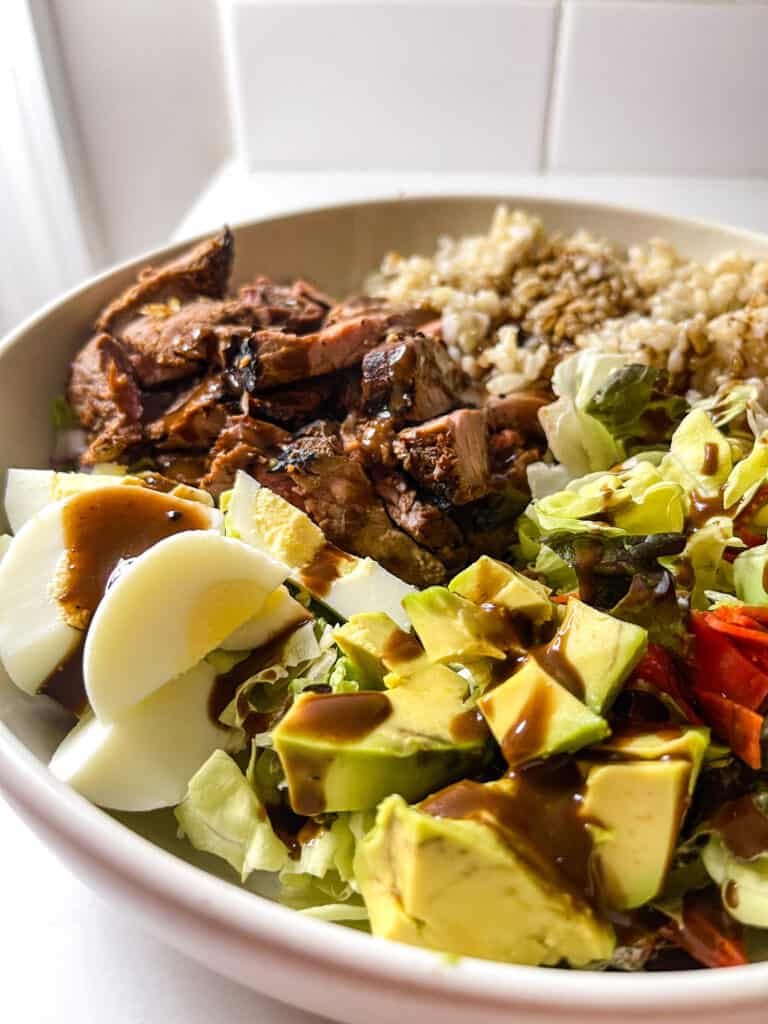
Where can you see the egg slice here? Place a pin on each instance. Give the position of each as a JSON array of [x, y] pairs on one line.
[[279, 612], [34, 636], [170, 607], [145, 760], [28, 491], [42, 615]]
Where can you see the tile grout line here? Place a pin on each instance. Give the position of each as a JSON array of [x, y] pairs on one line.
[[551, 97]]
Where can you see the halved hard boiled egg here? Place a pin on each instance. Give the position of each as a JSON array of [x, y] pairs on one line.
[[167, 610], [145, 760], [279, 612], [57, 567]]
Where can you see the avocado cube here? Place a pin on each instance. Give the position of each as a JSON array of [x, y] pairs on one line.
[[375, 645], [533, 716], [637, 802], [488, 581], [346, 752], [596, 651], [459, 887], [453, 629]]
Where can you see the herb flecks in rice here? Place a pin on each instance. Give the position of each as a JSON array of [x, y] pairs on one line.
[[516, 300]]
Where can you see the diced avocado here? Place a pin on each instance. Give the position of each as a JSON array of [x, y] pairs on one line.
[[461, 887], [637, 803], [532, 716], [750, 574], [376, 645], [346, 752], [598, 651], [688, 743], [488, 581], [451, 628]]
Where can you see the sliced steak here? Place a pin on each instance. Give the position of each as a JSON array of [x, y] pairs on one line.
[[448, 456], [298, 308], [195, 419], [510, 455], [313, 473], [104, 395], [490, 524], [244, 443], [270, 358], [167, 343], [184, 467], [411, 377], [202, 271], [520, 410], [428, 525], [294, 406]]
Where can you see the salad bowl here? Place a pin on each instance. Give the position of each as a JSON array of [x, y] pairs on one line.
[[139, 862]]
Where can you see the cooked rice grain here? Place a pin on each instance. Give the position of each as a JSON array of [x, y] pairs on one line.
[[516, 300]]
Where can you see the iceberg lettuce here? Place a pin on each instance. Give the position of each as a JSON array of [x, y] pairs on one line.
[[222, 815]]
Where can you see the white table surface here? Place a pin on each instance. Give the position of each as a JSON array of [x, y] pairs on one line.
[[66, 956]]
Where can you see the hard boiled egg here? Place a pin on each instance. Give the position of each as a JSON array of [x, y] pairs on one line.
[[271, 524], [56, 566], [28, 491], [145, 760], [279, 612], [171, 606], [34, 636]]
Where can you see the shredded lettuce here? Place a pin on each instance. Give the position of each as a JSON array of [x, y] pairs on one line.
[[222, 815], [748, 879]]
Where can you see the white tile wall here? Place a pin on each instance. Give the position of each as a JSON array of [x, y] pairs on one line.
[[659, 87], [383, 85], [604, 86]]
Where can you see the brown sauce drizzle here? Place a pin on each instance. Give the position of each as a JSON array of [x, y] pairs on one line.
[[66, 684], [704, 507], [765, 576], [105, 525], [711, 459], [731, 894], [469, 727], [340, 717], [507, 629], [543, 808], [743, 829], [500, 671], [226, 685], [401, 647], [526, 739], [587, 555], [288, 827], [325, 567], [553, 658], [306, 781]]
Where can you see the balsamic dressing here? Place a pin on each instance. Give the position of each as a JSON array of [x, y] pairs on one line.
[[324, 568], [538, 815], [401, 647], [66, 684], [742, 827], [108, 524], [340, 717]]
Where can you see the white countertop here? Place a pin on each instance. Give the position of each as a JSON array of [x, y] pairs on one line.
[[68, 957], [235, 194]]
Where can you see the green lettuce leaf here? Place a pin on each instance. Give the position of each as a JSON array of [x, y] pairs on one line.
[[577, 440], [747, 879], [222, 815], [749, 575], [635, 406]]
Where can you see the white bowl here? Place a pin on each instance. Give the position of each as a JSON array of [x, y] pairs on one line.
[[138, 862]]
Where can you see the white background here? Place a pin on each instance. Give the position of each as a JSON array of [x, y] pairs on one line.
[[67, 957]]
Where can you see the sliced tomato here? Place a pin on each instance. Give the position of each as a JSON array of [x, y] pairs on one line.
[[658, 669], [725, 668], [707, 931], [735, 724]]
